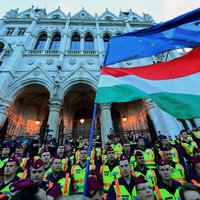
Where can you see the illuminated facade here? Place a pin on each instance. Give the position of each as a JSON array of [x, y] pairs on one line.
[[49, 70]]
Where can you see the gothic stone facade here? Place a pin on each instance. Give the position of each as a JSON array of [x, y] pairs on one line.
[[49, 70]]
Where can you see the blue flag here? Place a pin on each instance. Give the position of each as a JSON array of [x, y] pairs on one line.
[[182, 31]]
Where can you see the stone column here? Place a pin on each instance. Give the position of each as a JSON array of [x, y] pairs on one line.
[[82, 43], [100, 46], [106, 121], [54, 112], [164, 122], [4, 111], [48, 42]]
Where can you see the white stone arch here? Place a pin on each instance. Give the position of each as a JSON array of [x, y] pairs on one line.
[[38, 34], [92, 33], [41, 31], [56, 31], [66, 86], [71, 33], [106, 33], [7, 47], [16, 88]]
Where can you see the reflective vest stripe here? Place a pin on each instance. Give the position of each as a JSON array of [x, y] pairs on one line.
[[149, 161], [195, 183], [50, 185], [2, 196], [93, 154], [24, 163], [65, 164], [187, 149], [117, 189], [158, 192], [106, 184], [73, 168], [179, 179], [79, 181], [93, 167], [134, 173], [24, 174], [66, 184], [102, 169]]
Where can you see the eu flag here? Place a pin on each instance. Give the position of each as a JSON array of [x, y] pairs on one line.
[[182, 31]]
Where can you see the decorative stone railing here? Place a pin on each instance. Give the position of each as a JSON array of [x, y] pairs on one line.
[[81, 52], [42, 52]]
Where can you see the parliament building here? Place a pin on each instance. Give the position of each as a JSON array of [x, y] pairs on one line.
[[50, 64]]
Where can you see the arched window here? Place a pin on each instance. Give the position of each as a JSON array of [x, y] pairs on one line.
[[55, 42], [106, 39], [89, 43], [75, 43], [40, 45]]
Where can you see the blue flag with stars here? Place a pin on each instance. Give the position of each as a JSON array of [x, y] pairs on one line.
[[180, 32]]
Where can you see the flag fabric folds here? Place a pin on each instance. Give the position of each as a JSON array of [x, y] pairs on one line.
[[173, 85], [180, 32]]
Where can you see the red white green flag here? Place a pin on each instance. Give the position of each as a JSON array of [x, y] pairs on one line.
[[173, 85]]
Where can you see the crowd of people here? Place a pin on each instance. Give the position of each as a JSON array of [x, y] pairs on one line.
[[123, 169]]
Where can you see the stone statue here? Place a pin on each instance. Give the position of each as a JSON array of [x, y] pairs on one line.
[[12, 13], [57, 81], [148, 17]]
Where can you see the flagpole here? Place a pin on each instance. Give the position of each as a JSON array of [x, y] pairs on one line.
[[89, 153]]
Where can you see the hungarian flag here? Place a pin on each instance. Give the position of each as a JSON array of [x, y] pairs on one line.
[[173, 85], [182, 31]]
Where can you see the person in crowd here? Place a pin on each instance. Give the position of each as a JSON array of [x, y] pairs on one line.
[[45, 157], [123, 187], [34, 145], [69, 159], [19, 149], [141, 169], [196, 135], [37, 174], [21, 173], [58, 176], [117, 147], [25, 189], [94, 189], [186, 146], [78, 171], [196, 152], [189, 191], [143, 188], [96, 154], [61, 150], [127, 151], [148, 153], [166, 188], [52, 146], [10, 171], [12, 144], [165, 144], [5, 153], [194, 172], [110, 170], [178, 171]]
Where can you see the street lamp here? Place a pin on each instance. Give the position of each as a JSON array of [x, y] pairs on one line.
[[124, 118], [82, 121], [37, 122]]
